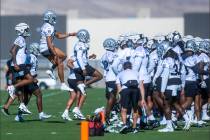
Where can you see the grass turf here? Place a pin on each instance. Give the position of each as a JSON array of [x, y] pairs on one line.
[[56, 129]]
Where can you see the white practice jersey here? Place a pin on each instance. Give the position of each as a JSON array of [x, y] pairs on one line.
[[46, 31], [125, 76], [21, 53], [206, 60], [81, 54], [172, 78], [122, 56], [106, 63], [33, 62], [143, 72], [190, 62], [137, 57], [153, 61]]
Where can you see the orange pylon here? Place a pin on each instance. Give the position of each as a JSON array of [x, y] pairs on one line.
[[84, 130]]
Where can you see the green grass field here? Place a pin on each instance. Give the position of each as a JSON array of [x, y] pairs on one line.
[[57, 129]]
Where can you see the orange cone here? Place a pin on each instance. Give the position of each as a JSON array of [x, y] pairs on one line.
[[84, 130]]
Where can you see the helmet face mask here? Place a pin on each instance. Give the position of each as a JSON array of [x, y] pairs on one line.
[[83, 36], [165, 46], [160, 39], [22, 29], [50, 17], [130, 43], [150, 45], [177, 38], [190, 46], [169, 37]]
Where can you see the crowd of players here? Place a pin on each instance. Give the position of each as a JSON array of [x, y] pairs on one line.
[[165, 76], [167, 73]]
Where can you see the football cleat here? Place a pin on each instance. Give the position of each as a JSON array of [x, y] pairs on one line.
[[43, 116], [124, 129], [78, 114], [187, 125], [66, 117], [134, 130], [19, 118], [166, 129], [205, 117], [5, 111], [65, 87], [24, 109]]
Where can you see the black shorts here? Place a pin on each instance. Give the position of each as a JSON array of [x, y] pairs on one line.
[[31, 88], [21, 73], [73, 84], [191, 89], [130, 96], [111, 89], [47, 53], [169, 97], [205, 92], [208, 86], [148, 89], [158, 84], [90, 70], [78, 74]]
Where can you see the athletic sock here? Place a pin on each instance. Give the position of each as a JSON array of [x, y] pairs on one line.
[[66, 111], [41, 113]]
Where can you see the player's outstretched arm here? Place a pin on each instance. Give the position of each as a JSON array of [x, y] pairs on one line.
[[60, 35]]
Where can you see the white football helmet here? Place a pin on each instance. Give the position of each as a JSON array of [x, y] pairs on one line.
[[122, 40], [134, 37], [203, 46], [151, 44], [198, 40], [50, 17], [83, 36], [110, 44], [187, 37], [170, 37], [159, 38], [22, 29], [190, 46], [165, 46]]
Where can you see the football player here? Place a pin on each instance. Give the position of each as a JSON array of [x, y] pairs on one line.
[[110, 45], [83, 68], [48, 48], [204, 62], [21, 75], [171, 85]]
